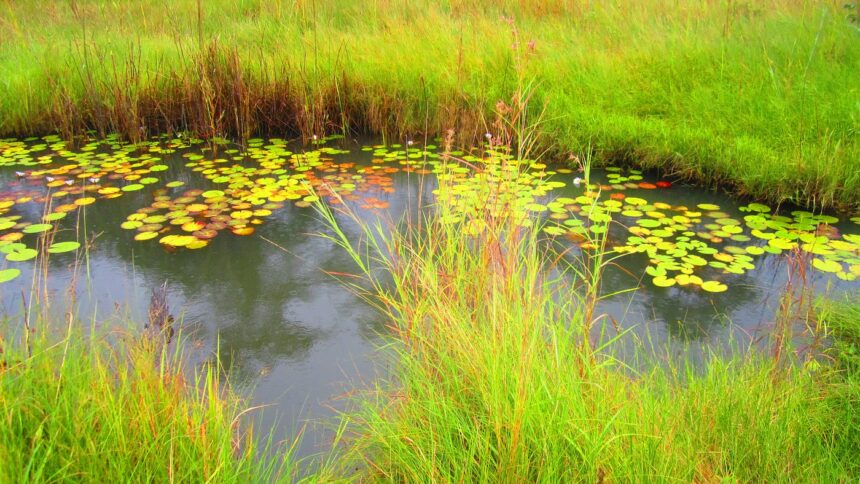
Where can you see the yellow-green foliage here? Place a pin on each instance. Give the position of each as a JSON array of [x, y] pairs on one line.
[[100, 409], [498, 376], [761, 96]]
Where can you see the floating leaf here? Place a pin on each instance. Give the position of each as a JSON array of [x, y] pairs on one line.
[[663, 281], [213, 194], [554, 230], [177, 240], [37, 228], [714, 286], [21, 254], [826, 265], [7, 275], [145, 236], [243, 230], [131, 224], [61, 247], [53, 217]]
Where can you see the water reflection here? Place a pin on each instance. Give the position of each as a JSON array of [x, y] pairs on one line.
[[295, 336]]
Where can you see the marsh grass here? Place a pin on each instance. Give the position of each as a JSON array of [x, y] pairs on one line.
[[756, 97], [498, 376], [88, 406], [841, 318], [493, 382]]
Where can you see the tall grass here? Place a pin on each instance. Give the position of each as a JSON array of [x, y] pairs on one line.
[[757, 96], [498, 375], [841, 317], [88, 406]]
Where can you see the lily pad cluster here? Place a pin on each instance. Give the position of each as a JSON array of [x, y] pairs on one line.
[[496, 185], [702, 245], [230, 188]]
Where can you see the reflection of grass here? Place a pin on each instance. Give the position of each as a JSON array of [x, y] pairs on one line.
[[497, 380], [761, 97], [83, 408]]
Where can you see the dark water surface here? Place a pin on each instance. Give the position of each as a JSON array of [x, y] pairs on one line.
[[289, 332]]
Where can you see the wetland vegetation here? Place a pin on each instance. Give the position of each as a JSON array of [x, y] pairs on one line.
[[429, 241]]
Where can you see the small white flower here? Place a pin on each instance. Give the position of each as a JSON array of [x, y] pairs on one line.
[[69, 182], [49, 178], [20, 174], [488, 135], [577, 181]]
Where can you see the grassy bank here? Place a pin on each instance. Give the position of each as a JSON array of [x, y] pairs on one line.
[[842, 318], [500, 375], [757, 96], [118, 408]]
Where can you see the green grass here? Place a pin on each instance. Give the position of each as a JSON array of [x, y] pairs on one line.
[[757, 97], [499, 377], [115, 408], [841, 317]]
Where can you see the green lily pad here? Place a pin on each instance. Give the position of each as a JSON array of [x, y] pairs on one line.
[[648, 223], [826, 265], [212, 194], [7, 275], [53, 217], [756, 207], [663, 281], [782, 244], [554, 230], [714, 286], [655, 271], [61, 247], [21, 255], [37, 228], [755, 250]]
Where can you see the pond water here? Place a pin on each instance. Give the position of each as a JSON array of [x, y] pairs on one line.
[[233, 233]]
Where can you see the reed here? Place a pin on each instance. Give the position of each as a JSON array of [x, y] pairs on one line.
[[504, 372], [758, 98], [495, 380]]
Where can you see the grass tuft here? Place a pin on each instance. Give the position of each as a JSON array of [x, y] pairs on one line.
[[96, 407]]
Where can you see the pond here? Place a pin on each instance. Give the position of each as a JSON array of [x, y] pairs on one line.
[[233, 233]]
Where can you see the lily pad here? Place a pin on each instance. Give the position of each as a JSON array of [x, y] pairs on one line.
[[826, 265], [21, 254], [53, 217], [714, 286], [37, 228], [663, 281], [7, 275], [708, 207], [61, 247], [145, 236]]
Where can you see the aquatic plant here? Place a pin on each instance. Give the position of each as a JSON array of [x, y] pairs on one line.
[[651, 84], [496, 377]]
